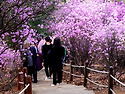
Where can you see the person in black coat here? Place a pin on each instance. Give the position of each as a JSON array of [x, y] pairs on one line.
[[45, 50], [56, 55]]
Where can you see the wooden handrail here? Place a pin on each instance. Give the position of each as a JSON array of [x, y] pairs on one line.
[[24, 79], [18, 79]]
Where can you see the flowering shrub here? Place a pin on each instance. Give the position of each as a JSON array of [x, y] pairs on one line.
[[15, 28], [92, 30], [14, 18], [9, 62]]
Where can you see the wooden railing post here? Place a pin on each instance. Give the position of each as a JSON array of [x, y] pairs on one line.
[[21, 68], [29, 81], [24, 75], [110, 85], [18, 78], [85, 73], [71, 72]]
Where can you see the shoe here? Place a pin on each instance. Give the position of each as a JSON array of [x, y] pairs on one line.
[[52, 85], [49, 77], [59, 83], [46, 78], [34, 81]]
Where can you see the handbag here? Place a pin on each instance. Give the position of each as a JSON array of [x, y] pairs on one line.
[[39, 61]]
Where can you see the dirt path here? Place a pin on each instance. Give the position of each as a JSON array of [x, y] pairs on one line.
[[43, 87]]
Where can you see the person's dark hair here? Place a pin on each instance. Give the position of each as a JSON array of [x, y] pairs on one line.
[[47, 39], [57, 41]]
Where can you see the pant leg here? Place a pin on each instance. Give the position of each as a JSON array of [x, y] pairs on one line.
[[30, 70], [50, 70], [54, 77], [59, 76], [35, 74], [46, 69]]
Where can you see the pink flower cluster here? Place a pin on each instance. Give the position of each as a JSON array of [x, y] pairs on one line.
[[92, 30], [9, 61]]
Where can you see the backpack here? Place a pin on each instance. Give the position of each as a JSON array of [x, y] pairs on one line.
[[29, 58]]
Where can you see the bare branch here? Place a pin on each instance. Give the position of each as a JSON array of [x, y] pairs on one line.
[[3, 50]]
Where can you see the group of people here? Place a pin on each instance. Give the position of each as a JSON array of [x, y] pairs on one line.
[[53, 56]]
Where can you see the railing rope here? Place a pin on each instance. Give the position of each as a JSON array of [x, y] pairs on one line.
[[78, 66], [86, 68], [66, 71], [112, 91], [96, 83], [77, 75], [67, 64], [21, 83], [20, 72], [97, 70], [117, 80], [24, 89], [29, 81]]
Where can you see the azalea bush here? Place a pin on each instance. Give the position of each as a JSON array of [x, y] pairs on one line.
[[92, 30], [15, 28], [15, 16], [8, 68]]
